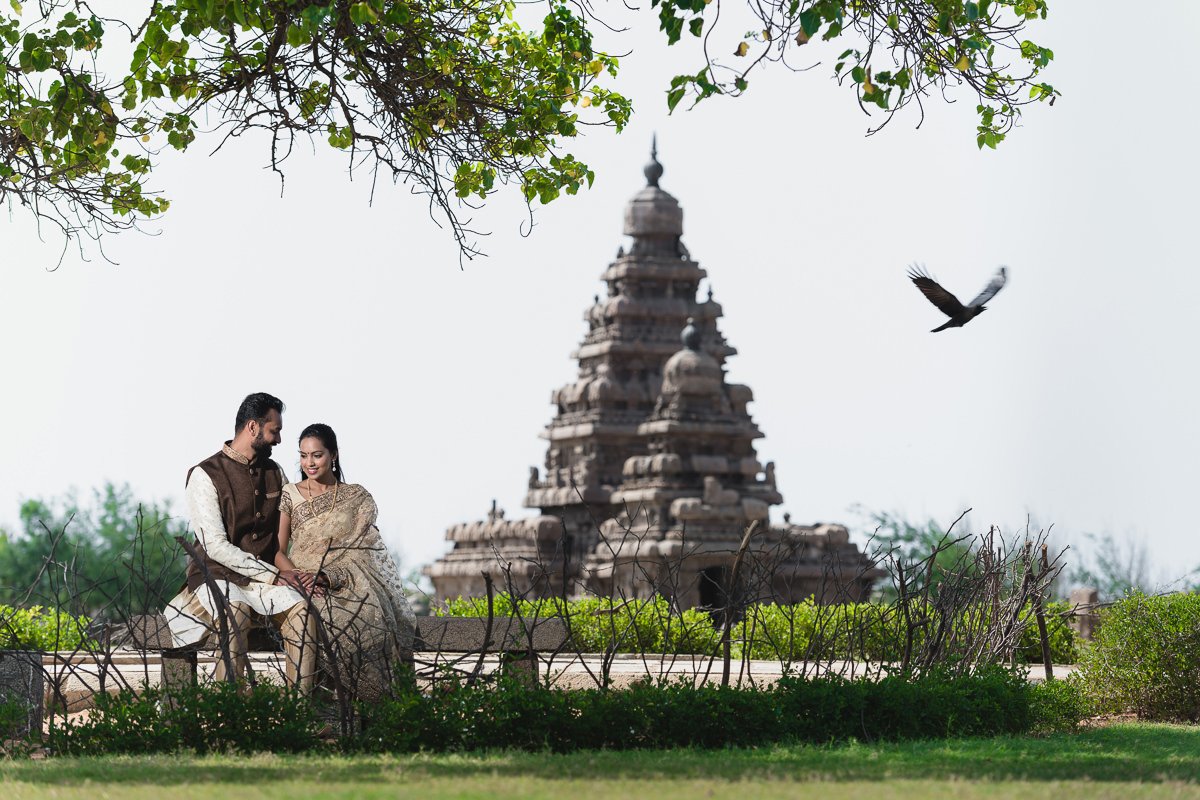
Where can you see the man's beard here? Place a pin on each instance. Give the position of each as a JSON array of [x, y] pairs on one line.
[[261, 448]]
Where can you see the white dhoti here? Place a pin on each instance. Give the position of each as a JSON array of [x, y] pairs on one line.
[[192, 616]]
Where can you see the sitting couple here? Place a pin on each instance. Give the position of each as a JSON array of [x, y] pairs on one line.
[[305, 557]]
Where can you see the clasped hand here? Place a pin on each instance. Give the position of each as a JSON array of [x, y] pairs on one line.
[[306, 582]]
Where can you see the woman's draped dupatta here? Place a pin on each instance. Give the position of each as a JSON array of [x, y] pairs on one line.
[[366, 624]]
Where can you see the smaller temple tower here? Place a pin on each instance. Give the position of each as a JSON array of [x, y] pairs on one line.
[[687, 503], [689, 499]]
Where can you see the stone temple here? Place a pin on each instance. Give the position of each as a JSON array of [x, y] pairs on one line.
[[651, 478]]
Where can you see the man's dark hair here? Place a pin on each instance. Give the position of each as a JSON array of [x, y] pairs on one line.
[[256, 407]]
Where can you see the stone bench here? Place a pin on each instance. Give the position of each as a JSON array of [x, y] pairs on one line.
[[517, 641]]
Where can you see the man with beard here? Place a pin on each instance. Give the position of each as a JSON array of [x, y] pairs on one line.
[[233, 497]]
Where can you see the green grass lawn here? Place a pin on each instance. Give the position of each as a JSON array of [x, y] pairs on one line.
[[1120, 761]]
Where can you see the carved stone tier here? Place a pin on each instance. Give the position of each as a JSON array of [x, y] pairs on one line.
[[535, 529]]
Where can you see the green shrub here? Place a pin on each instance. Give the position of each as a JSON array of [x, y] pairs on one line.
[[646, 715], [1064, 645], [1057, 706], [990, 702], [36, 628], [457, 717], [807, 630], [220, 717], [605, 625], [1145, 658]]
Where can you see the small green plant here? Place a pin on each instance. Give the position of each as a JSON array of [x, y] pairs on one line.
[[38, 628], [210, 718], [1057, 706], [1146, 658], [1064, 644], [14, 716]]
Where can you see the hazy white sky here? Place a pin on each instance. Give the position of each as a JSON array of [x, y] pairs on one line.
[[1072, 399]]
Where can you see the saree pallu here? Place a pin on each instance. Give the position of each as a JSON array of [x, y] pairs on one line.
[[365, 628]]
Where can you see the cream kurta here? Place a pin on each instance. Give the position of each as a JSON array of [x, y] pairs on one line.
[[190, 615]]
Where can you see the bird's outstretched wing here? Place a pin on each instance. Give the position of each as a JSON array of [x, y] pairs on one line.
[[990, 290], [947, 303]]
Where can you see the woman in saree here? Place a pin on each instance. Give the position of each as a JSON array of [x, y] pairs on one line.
[[327, 530]]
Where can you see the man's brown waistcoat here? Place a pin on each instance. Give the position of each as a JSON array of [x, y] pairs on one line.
[[248, 494]]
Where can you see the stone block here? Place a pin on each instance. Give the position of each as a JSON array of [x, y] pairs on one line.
[[23, 681], [178, 671], [1084, 601], [466, 634], [143, 632], [521, 666]]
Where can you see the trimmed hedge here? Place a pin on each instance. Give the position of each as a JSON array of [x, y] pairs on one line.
[[209, 718], [37, 628], [1145, 658], [1057, 705], [600, 625], [457, 717], [869, 631]]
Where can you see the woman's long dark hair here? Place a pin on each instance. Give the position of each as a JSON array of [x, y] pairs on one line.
[[321, 431]]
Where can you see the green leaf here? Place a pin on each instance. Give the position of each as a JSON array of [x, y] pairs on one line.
[[363, 14], [810, 21], [236, 12], [673, 97]]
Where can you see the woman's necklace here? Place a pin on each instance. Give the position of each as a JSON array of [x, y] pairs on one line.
[[312, 496]]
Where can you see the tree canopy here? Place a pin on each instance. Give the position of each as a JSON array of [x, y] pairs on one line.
[[452, 97], [112, 557]]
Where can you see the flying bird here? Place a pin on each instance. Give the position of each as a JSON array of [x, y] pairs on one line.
[[948, 304]]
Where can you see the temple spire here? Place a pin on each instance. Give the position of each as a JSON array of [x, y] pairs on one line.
[[654, 170]]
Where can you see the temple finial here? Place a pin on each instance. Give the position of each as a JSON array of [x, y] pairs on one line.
[[653, 170], [691, 335]]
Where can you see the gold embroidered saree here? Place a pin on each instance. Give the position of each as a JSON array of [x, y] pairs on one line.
[[366, 625]]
